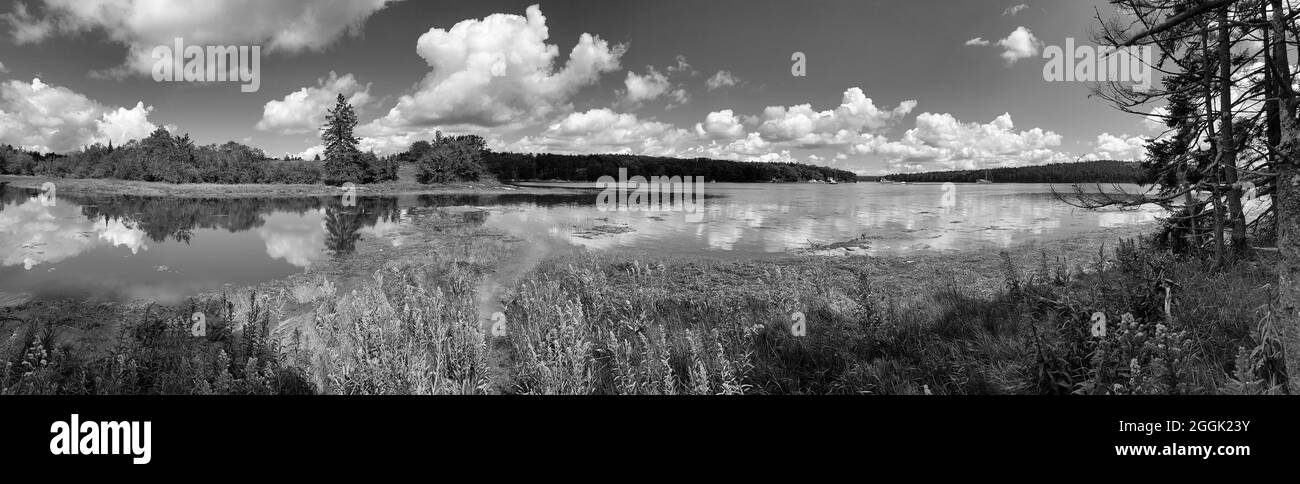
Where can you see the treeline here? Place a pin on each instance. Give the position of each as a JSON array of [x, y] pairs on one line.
[[521, 166], [162, 157], [1100, 171]]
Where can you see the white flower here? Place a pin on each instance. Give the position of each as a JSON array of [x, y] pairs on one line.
[[1098, 324]]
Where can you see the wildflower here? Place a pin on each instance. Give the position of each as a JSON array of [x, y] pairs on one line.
[[1127, 318], [1098, 325]]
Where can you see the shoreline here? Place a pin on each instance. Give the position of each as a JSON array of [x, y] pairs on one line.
[[96, 186]]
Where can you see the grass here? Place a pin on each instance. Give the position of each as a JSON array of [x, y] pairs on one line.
[[583, 323]]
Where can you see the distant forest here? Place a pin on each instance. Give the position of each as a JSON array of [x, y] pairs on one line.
[[1100, 171], [518, 166]]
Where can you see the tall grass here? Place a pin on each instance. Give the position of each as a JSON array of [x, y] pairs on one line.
[[598, 324]]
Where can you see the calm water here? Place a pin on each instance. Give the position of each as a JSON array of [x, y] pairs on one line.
[[165, 249]]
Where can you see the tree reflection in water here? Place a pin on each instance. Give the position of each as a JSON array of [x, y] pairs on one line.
[[343, 224]]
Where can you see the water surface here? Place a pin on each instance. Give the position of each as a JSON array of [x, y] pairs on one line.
[[165, 249]]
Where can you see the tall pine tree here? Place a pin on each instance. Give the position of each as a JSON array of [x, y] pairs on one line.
[[343, 161]]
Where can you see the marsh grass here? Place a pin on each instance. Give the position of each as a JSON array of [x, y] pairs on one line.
[[583, 323]]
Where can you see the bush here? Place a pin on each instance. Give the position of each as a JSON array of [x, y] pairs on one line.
[[451, 160], [291, 172], [346, 168]]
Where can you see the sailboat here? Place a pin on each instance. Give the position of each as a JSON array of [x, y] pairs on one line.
[[985, 179]]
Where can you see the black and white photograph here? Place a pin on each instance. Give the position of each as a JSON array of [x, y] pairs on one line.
[[571, 210]]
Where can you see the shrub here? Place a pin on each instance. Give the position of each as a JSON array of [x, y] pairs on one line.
[[451, 160]]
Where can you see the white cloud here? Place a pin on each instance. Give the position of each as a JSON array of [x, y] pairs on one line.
[[750, 148], [25, 27], [288, 26], [941, 141], [499, 71], [682, 67], [308, 154], [3, 69], [121, 125], [1122, 147], [1015, 9], [855, 115], [653, 85], [1019, 44], [644, 88], [303, 111], [721, 79], [977, 41], [43, 117], [723, 125], [606, 131]]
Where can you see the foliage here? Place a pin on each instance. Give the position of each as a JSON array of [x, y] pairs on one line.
[[165, 158], [1099, 171], [451, 159], [613, 325], [517, 166], [155, 353]]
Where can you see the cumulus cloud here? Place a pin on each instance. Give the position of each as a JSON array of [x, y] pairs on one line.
[[1014, 9], [43, 117], [303, 111], [606, 131], [856, 114], [639, 89], [750, 148], [499, 71], [941, 141], [979, 41], [721, 79], [1020, 44], [288, 26], [1122, 147], [723, 125]]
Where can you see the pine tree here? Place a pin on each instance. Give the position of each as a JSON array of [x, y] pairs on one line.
[[343, 161]]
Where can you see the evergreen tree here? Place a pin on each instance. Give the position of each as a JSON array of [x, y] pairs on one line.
[[343, 162]]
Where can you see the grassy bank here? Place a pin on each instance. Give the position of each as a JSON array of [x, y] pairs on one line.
[[418, 322], [216, 190]]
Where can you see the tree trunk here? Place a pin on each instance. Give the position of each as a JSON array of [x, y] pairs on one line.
[[1217, 228], [1286, 202], [1227, 141]]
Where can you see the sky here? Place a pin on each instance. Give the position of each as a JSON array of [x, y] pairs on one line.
[[887, 86]]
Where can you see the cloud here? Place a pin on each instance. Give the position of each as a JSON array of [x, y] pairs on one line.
[[43, 117], [3, 69], [639, 89], [1020, 44], [25, 27], [682, 67], [721, 79], [32, 234], [303, 111], [941, 141], [606, 131], [1122, 147], [287, 26], [855, 115], [499, 71], [723, 125], [977, 41], [1015, 9]]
